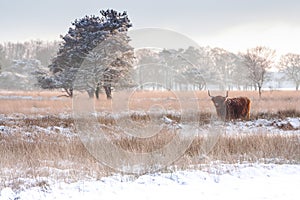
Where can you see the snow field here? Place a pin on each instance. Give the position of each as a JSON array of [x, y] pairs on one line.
[[231, 181], [238, 181]]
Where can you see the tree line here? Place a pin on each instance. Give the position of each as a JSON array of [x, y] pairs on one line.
[[95, 54], [40, 50]]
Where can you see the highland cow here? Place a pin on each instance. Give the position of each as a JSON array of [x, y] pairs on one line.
[[231, 108]]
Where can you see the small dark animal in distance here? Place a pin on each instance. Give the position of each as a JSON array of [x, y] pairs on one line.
[[231, 108]]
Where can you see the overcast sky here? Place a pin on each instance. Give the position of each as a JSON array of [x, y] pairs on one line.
[[231, 24]]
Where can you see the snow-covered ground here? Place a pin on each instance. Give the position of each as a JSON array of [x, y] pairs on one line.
[[288, 125], [214, 181], [231, 181]]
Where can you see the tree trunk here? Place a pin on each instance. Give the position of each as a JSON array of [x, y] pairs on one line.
[[97, 91], [259, 91], [69, 91], [107, 89], [90, 92], [107, 84]]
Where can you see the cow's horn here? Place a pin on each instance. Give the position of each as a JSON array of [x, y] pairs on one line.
[[226, 93], [209, 93]]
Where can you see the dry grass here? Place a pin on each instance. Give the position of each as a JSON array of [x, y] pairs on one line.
[[47, 103], [33, 153], [65, 158], [34, 103], [41, 156], [252, 147]]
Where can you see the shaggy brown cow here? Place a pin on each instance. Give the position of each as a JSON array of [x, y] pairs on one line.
[[231, 108]]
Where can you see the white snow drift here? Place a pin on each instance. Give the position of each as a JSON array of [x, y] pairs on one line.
[[243, 181]]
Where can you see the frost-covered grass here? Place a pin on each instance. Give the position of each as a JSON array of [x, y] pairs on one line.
[[43, 157], [42, 147]]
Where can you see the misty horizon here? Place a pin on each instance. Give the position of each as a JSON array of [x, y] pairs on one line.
[[230, 24]]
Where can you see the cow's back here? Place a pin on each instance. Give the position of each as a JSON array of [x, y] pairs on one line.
[[237, 108]]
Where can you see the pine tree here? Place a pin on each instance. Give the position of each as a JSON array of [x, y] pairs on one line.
[[96, 51]]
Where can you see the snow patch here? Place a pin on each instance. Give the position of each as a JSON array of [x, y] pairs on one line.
[[295, 122], [235, 181]]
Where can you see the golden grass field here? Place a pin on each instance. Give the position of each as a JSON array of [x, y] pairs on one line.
[[271, 101], [63, 157]]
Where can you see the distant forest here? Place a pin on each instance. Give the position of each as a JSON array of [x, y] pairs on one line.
[[204, 67]]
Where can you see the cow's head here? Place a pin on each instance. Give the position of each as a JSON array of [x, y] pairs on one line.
[[219, 101]]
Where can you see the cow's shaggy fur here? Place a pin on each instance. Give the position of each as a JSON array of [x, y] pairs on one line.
[[231, 108]]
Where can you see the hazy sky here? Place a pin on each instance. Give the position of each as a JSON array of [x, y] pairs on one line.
[[231, 24]]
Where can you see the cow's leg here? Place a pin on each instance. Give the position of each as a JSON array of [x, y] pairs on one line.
[[248, 109], [248, 115]]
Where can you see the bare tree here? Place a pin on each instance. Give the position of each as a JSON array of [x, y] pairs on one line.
[[176, 64], [45, 51], [2, 56], [147, 62], [240, 75], [188, 67], [290, 65], [258, 60], [223, 65]]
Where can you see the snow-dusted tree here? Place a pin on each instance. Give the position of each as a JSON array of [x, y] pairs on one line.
[[16, 51], [197, 70], [44, 51], [3, 57], [223, 65], [258, 60], [290, 65], [147, 66], [175, 66], [29, 50], [195, 77], [95, 50], [107, 65], [188, 67], [240, 74], [20, 75]]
